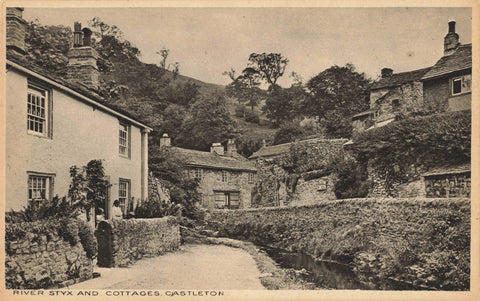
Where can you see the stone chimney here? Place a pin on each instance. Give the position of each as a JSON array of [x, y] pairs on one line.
[[386, 72], [217, 148], [451, 40], [16, 27], [231, 147], [82, 59], [165, 141]]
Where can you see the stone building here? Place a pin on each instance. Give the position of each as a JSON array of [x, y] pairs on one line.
[[446, 86], [226, 178], [306, 185], [53, 124], [448, 182]]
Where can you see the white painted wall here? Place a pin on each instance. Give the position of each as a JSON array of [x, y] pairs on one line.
[[80, 134]]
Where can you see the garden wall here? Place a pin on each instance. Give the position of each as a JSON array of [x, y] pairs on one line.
[[422, 241], [122, 242], [46, 254]]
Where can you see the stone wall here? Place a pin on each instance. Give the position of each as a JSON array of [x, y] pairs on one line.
[[308, 192], [277, 186], [38, 257], [122, 242], [450, 185], [421, 241]]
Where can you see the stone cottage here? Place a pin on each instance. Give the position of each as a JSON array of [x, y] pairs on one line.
[[446, 86], [306, 184], [448, 182], [53, 123], [226, 178]]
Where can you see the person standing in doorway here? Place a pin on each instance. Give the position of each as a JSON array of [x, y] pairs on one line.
[[116, 210]]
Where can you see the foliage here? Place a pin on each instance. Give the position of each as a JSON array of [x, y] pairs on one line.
[[209, 122], [57, 207], [288, 132], [70, 229], [336, 94], [169, 167], [109, 43], [245, 88], [252, 117], [246, 146], [283, 105], [96, 183], [426, 140], [269, 66], [352, 179], [155, 207]]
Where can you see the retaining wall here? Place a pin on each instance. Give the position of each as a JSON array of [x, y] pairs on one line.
[[422, 241], [122, 242], [46, 255]]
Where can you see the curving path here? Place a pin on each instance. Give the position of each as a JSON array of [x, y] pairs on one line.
[[206, 267]]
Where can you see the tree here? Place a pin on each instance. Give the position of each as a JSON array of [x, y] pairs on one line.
[[48, 46], [288, 132], [109, 43], [245, 88], [169, 167], [270, 66], [164, 54], [336, 94], [209, 122], [283, 105]]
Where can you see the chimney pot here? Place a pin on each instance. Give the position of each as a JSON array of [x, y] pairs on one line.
[[451, 26], [386, 72], [451, 40], [87, 36], [77, 35]]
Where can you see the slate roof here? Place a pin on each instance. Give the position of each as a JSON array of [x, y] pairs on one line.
[[275, 150], [26, 62], [398, 79], [448, 170], [210, 160], [461, 59]]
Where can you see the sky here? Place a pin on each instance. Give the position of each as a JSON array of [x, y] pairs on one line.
[[208, 41]]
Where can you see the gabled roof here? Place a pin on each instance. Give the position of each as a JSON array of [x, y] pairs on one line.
[[460, 60], [22, 63], [398, 79], [195, 158], [276, 150]]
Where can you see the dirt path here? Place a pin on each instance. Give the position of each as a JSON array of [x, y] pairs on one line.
[[212, 267]]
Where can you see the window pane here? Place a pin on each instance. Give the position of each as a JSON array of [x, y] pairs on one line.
[[457, 86]]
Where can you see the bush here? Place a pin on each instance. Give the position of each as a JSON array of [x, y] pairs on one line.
[[352, 180], [56, 208], [251, 117], [154, 207], [240, 111], [87, 238]]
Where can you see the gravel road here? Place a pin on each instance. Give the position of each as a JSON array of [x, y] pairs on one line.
[[206, 267]]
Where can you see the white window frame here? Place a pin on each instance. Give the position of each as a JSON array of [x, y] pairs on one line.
[[38, 110], [124, 139], [124, 193], [198, 173], [224, 176], [251, 177], [461, 79], [40, 182]]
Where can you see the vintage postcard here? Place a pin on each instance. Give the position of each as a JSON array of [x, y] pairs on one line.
[[239, 150]]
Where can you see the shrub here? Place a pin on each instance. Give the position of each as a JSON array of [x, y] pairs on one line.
[[87, 238], [252, 117], [56, 208], [240, 111], [154, 207], [352, 180]]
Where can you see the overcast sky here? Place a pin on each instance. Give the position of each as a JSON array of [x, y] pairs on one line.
[[208, 41]]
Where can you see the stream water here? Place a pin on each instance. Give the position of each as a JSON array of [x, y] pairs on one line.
[[326, 274]]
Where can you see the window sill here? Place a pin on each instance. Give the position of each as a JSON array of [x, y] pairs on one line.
[[125, 157], [460, 94], [36, 134]]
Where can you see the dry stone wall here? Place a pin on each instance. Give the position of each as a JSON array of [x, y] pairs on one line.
[[421, 241], [44, 259], [122, 242]]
